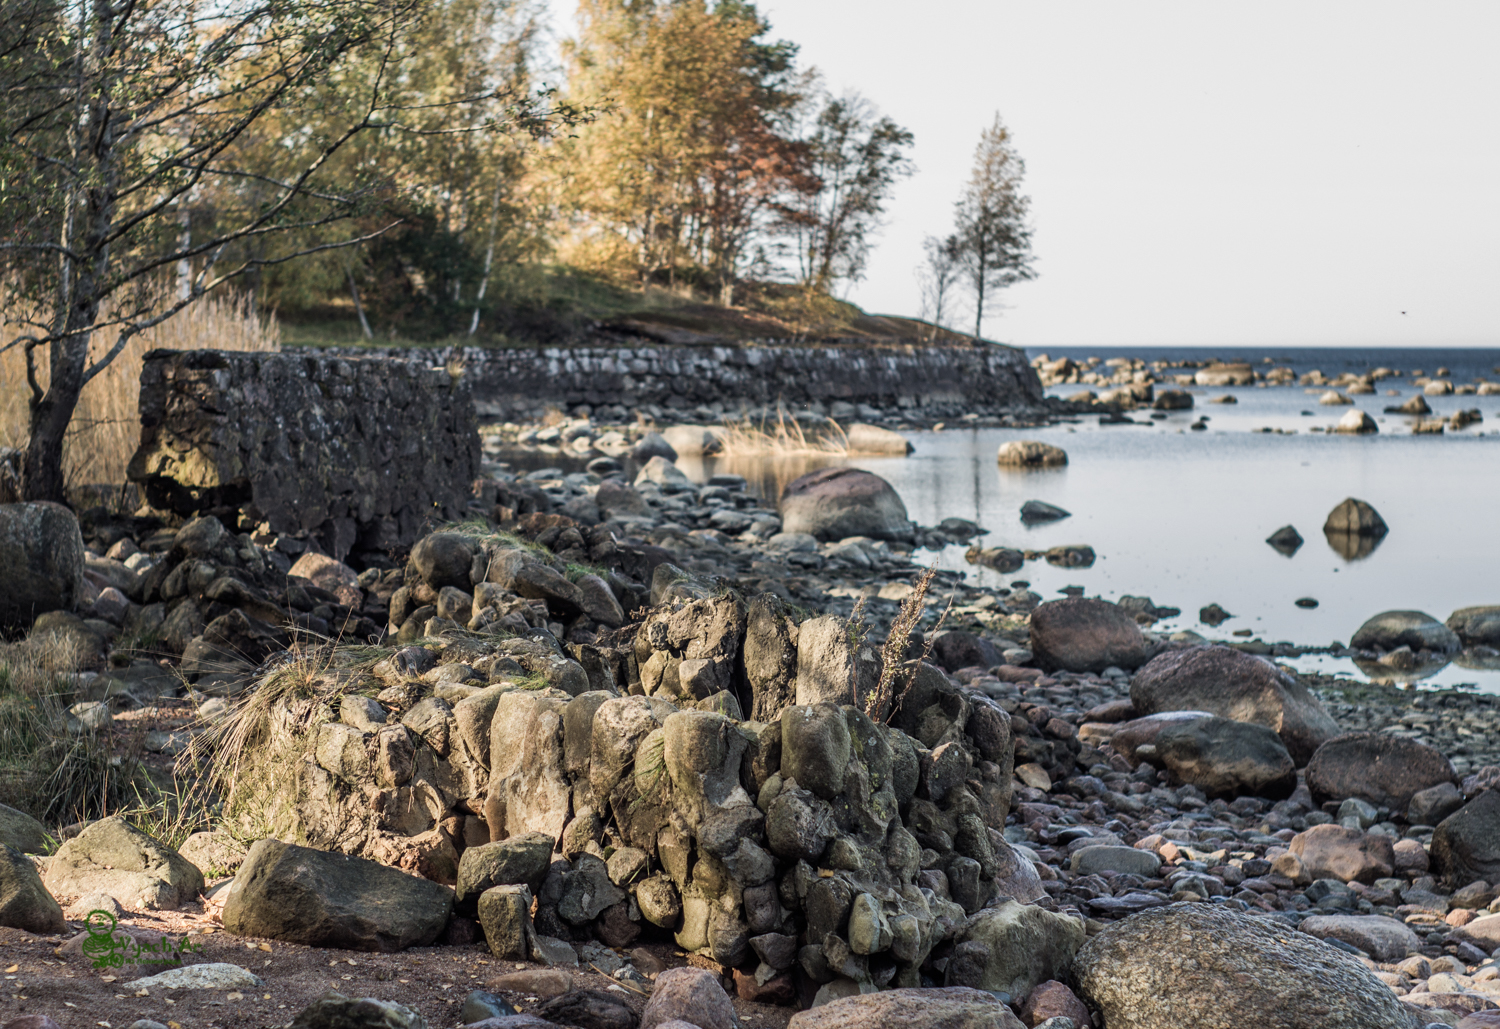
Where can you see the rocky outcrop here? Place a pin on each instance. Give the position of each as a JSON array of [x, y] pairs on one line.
[[360, 452]]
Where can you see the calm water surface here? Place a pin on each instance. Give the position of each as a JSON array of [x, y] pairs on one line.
[[1182, 516]]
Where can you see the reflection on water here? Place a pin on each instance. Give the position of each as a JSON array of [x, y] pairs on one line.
[[1351, 546]]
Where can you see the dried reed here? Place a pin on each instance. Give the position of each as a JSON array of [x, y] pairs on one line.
[[783, 438], [106, 426]]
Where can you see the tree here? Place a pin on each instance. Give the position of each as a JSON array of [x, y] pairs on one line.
[[689, 164], [994, 240], [856, 158], [123, 162], [939, 277]]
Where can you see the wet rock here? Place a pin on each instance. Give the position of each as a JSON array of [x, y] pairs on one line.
[[1415, 629], [1233, 685], [1384, 939], [1356, 518], [1173, 400], [41, 561], [1035, 512], [1285, 540], [1168, 967], [1348, 855], [1466, 844], [1018, 947], [24, 901], [1085, 635], [1234, 374], [1356, 422], [835, 503], [952, 1007], [871, 439], [115, 857], [1213, 615], [1026, 453], [691, 995], [320, 899], [1476, 626], [1384, 770]]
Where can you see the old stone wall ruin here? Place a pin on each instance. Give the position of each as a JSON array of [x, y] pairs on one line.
[[364, 454], [518, 383]]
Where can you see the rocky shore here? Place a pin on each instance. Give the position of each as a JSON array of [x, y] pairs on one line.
[[700, 761]]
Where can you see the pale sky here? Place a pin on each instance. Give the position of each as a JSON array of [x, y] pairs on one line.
[[1275, 173]]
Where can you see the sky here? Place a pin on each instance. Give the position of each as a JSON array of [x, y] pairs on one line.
[[1266, 174]]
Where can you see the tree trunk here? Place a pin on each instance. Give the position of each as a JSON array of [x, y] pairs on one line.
[[42, 468], [359, 308]]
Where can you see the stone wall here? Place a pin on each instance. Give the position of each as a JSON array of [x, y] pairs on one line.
[[515, 384], [362, 453]]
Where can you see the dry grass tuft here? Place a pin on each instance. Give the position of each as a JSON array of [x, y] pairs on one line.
[[784, 438], [106, 427], [885, 700]]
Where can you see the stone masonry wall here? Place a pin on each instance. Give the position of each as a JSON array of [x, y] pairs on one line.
[[515, 384], [362, 453]]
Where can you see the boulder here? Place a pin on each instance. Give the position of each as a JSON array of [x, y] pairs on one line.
[[872, 439], [1355, 518], [214, 853], [691, 995], [1384, 770], [664, 473], [588, 1009], [1030, 453], [519, 860], [815, 748], [1225, 758], [1384, 939], [1233, 374], [770, 656], [444, 559], [951, 1007], [21, 831], [41, 562], [1348, 855], [112, 856], [1285, 540], [1109, 858], [505, 916], [333, 1010], [1482, 932], [1079, 634], [24, 901], [1019, 946], [1034, 512], [652, 445], [959, 649], [691, 440], [1466, 844], [213, 975], [1415, 629], [322, 899], [1432, 805], [1476, 626], [834, 503], [525, 576], [1205, 966], [1356, 422], [1227, 683], [1173, 400]]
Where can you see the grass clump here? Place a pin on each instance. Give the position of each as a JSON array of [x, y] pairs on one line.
[[57, 776]]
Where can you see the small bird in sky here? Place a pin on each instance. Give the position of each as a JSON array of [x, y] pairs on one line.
[[1403, 312]]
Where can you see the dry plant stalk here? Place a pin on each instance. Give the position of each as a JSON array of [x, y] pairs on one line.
[[106, 427], [785, 438], [884, 701]]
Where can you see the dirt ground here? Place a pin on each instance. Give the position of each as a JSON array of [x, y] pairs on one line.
[[432, 980]]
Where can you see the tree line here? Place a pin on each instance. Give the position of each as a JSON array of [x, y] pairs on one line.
[[419, 161]]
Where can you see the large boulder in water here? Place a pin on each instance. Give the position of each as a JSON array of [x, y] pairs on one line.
[[1227, 683], [1356, 518], [1080, 634], [834, 503], [1030, 453], [1418, 630], [1376, 767], [1205, 966], [41, 561], [1476, 626]]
